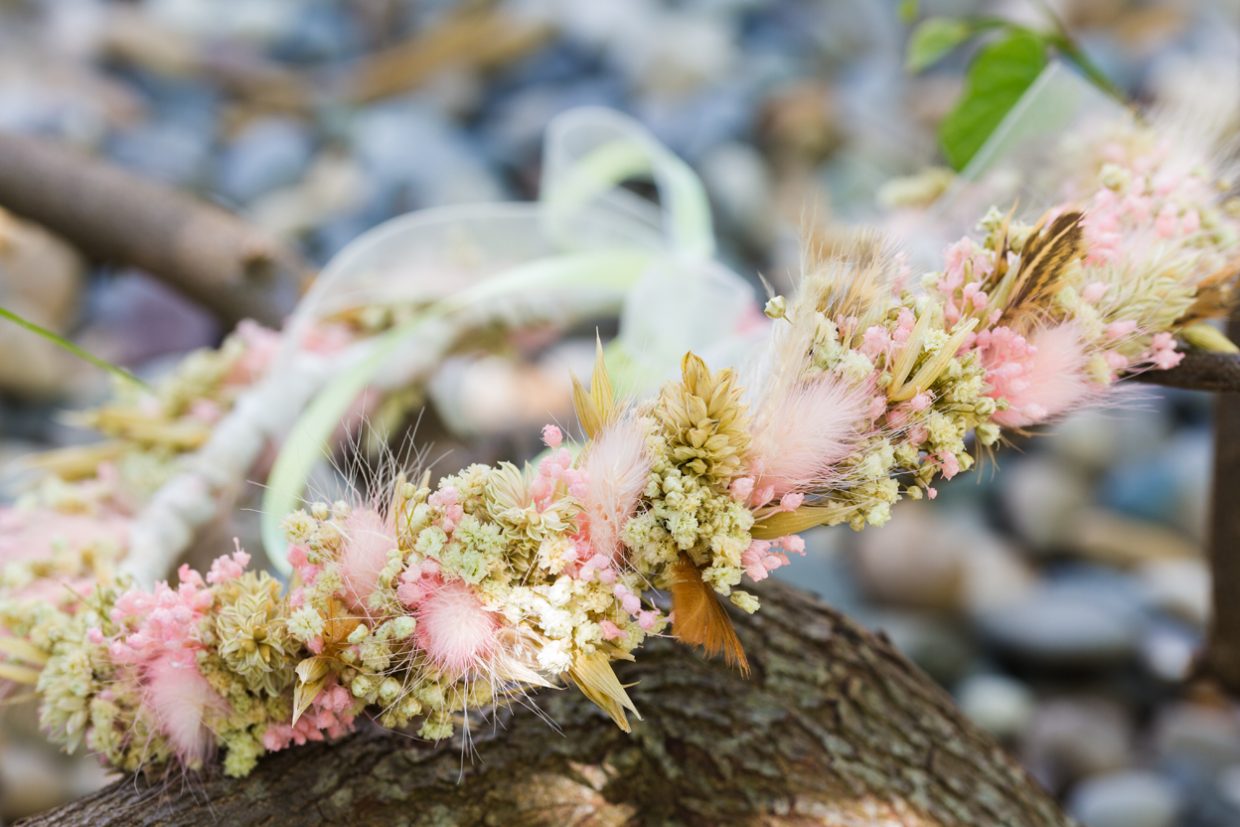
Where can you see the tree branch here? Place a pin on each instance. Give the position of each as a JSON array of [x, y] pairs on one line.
[[1200, 371], [834, 727], [204, 252], [1221, 659]]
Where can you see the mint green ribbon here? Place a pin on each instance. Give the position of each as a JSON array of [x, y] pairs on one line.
[[600, 240]]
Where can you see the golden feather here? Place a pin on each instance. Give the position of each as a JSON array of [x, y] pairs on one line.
[[700, 619], [1002, 245], [1046, 255]]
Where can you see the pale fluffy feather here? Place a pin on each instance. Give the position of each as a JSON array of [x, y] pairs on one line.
[[454, 629], [368, 539], [1054, 379], [616, 470], [801, 431], [179, 698]]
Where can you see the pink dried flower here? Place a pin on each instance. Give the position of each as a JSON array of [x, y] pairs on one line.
[[261, 347], [329, 716], [741, 488], [629, 601], [1163, 354], [1094, 292], [27, 534], [610, 630], [228, 568], [552, 436], [447, 500], [765, 556]]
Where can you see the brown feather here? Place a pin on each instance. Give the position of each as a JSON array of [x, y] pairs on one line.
[[1046, 254], [1216, 295], [1002, 245], [701, 620]]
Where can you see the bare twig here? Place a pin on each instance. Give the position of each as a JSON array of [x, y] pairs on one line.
[[477, 40], [204, 252], [1200, 371], [1222, 655]]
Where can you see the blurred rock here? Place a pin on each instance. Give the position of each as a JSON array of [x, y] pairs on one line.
[[405, 144], [334, 186], [927, 560], [1072, 737], [1125, 799], [737, 180], [1201, 738], [1229, 790], [31, 780], [1065, 627], [824, 570], [1120, 540], [138, 318], [163, 150], [1192, 454], [1179, 587], [1096, 439], [268, 154], [999, 704], [1168, 651], [1042, 498], [40, 280], [938, 647], [1169, 486], [518, 124]]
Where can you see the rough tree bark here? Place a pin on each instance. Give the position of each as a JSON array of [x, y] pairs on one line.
[[834, 727], [214, 257]]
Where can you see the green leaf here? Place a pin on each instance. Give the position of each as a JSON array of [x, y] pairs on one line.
[[998, 77], [65, 344], [909, 10], [933, 39]]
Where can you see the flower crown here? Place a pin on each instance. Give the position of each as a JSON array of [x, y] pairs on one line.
[[426, 602]]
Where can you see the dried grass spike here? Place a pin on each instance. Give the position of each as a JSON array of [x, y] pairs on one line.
[[783, 523], [597, 407], [597, 681]]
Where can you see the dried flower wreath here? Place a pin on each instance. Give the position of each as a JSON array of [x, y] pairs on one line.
[[426, 601]]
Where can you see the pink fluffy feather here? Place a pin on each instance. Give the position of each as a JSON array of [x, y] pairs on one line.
[[368, 539], [454, 629], [178, 697], [616, 470], [800, 431], [1041, 378]]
